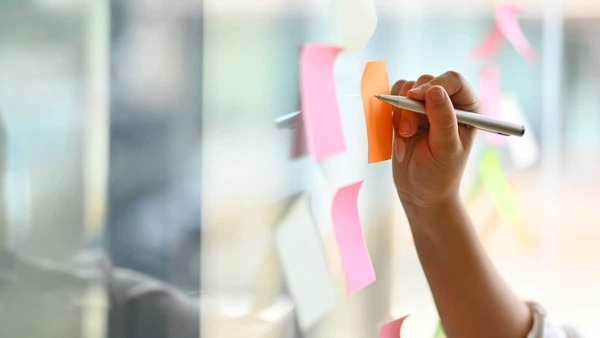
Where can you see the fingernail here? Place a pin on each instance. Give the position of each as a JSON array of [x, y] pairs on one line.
[[400, 149], [405, 129], [415, 91], [437, 95]]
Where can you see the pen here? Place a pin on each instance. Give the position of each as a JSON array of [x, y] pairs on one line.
[[466, 118], [287, 120]]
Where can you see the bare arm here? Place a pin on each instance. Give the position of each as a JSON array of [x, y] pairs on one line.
[[471, 297], [429, 158]]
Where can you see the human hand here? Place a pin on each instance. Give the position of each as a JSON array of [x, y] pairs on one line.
[[431, 152]]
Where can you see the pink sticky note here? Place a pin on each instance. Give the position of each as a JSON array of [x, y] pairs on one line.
[[323, 127], [489, 82], [490, 44], [506, 26], [392, 329], [507, 21], [356, 262]]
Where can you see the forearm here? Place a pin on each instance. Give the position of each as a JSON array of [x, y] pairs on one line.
[[471, 297]]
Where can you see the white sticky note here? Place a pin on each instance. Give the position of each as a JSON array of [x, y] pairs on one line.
[[304, 265], [524, 151], [356, 22]]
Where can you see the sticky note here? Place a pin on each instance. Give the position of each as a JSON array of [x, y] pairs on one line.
[[268, 283], [356, 23], [302, 260], [507, 21], [378, 114], [524, 151], [506, 26], [489, 82], [320, 112], [392, 329], [356, 262], [495, 181], [490, 44], [439, 331]]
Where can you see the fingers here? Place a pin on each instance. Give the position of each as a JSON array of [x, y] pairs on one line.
[[457, 88], [441, 95], [404, 128], [443, 128], [399, 141], [397, 86], [411, 120], [397, 112]]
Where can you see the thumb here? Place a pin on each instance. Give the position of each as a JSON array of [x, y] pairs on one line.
[[443, 127]]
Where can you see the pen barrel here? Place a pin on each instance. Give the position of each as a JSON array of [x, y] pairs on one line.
[[470, 119], [489, 124]]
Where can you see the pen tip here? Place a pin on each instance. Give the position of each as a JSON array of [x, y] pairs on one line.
[[377, 96]]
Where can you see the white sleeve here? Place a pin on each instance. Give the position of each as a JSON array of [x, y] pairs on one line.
[[543, 327]]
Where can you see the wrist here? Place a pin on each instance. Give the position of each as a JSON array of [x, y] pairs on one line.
[[429, 216], [441, 200]]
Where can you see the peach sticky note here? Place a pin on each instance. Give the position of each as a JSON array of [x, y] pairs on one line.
[[489, 91], [506, 26], [356, 262], [320, 113], [392, 329], [378, 114]]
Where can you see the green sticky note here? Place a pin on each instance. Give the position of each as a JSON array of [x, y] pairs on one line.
[[495, 182], [439, 331]]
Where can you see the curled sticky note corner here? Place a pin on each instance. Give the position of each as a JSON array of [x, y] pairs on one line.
[[392, 329], [356, 23]]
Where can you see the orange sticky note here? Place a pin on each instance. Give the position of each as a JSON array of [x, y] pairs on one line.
[[378, 114]]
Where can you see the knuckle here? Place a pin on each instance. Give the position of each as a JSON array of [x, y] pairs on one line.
[[475, 107], [453, 75], [406, 87], [408, 84], [425, 78], [397, 86]]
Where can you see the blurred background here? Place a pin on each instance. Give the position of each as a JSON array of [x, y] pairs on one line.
[[139, 134]]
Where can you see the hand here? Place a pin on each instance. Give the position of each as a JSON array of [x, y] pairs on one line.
[[430, 152]]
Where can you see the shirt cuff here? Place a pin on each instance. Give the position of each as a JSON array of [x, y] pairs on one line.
[[543, 327]]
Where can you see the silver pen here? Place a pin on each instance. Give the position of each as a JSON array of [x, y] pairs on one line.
[[466, 118]]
